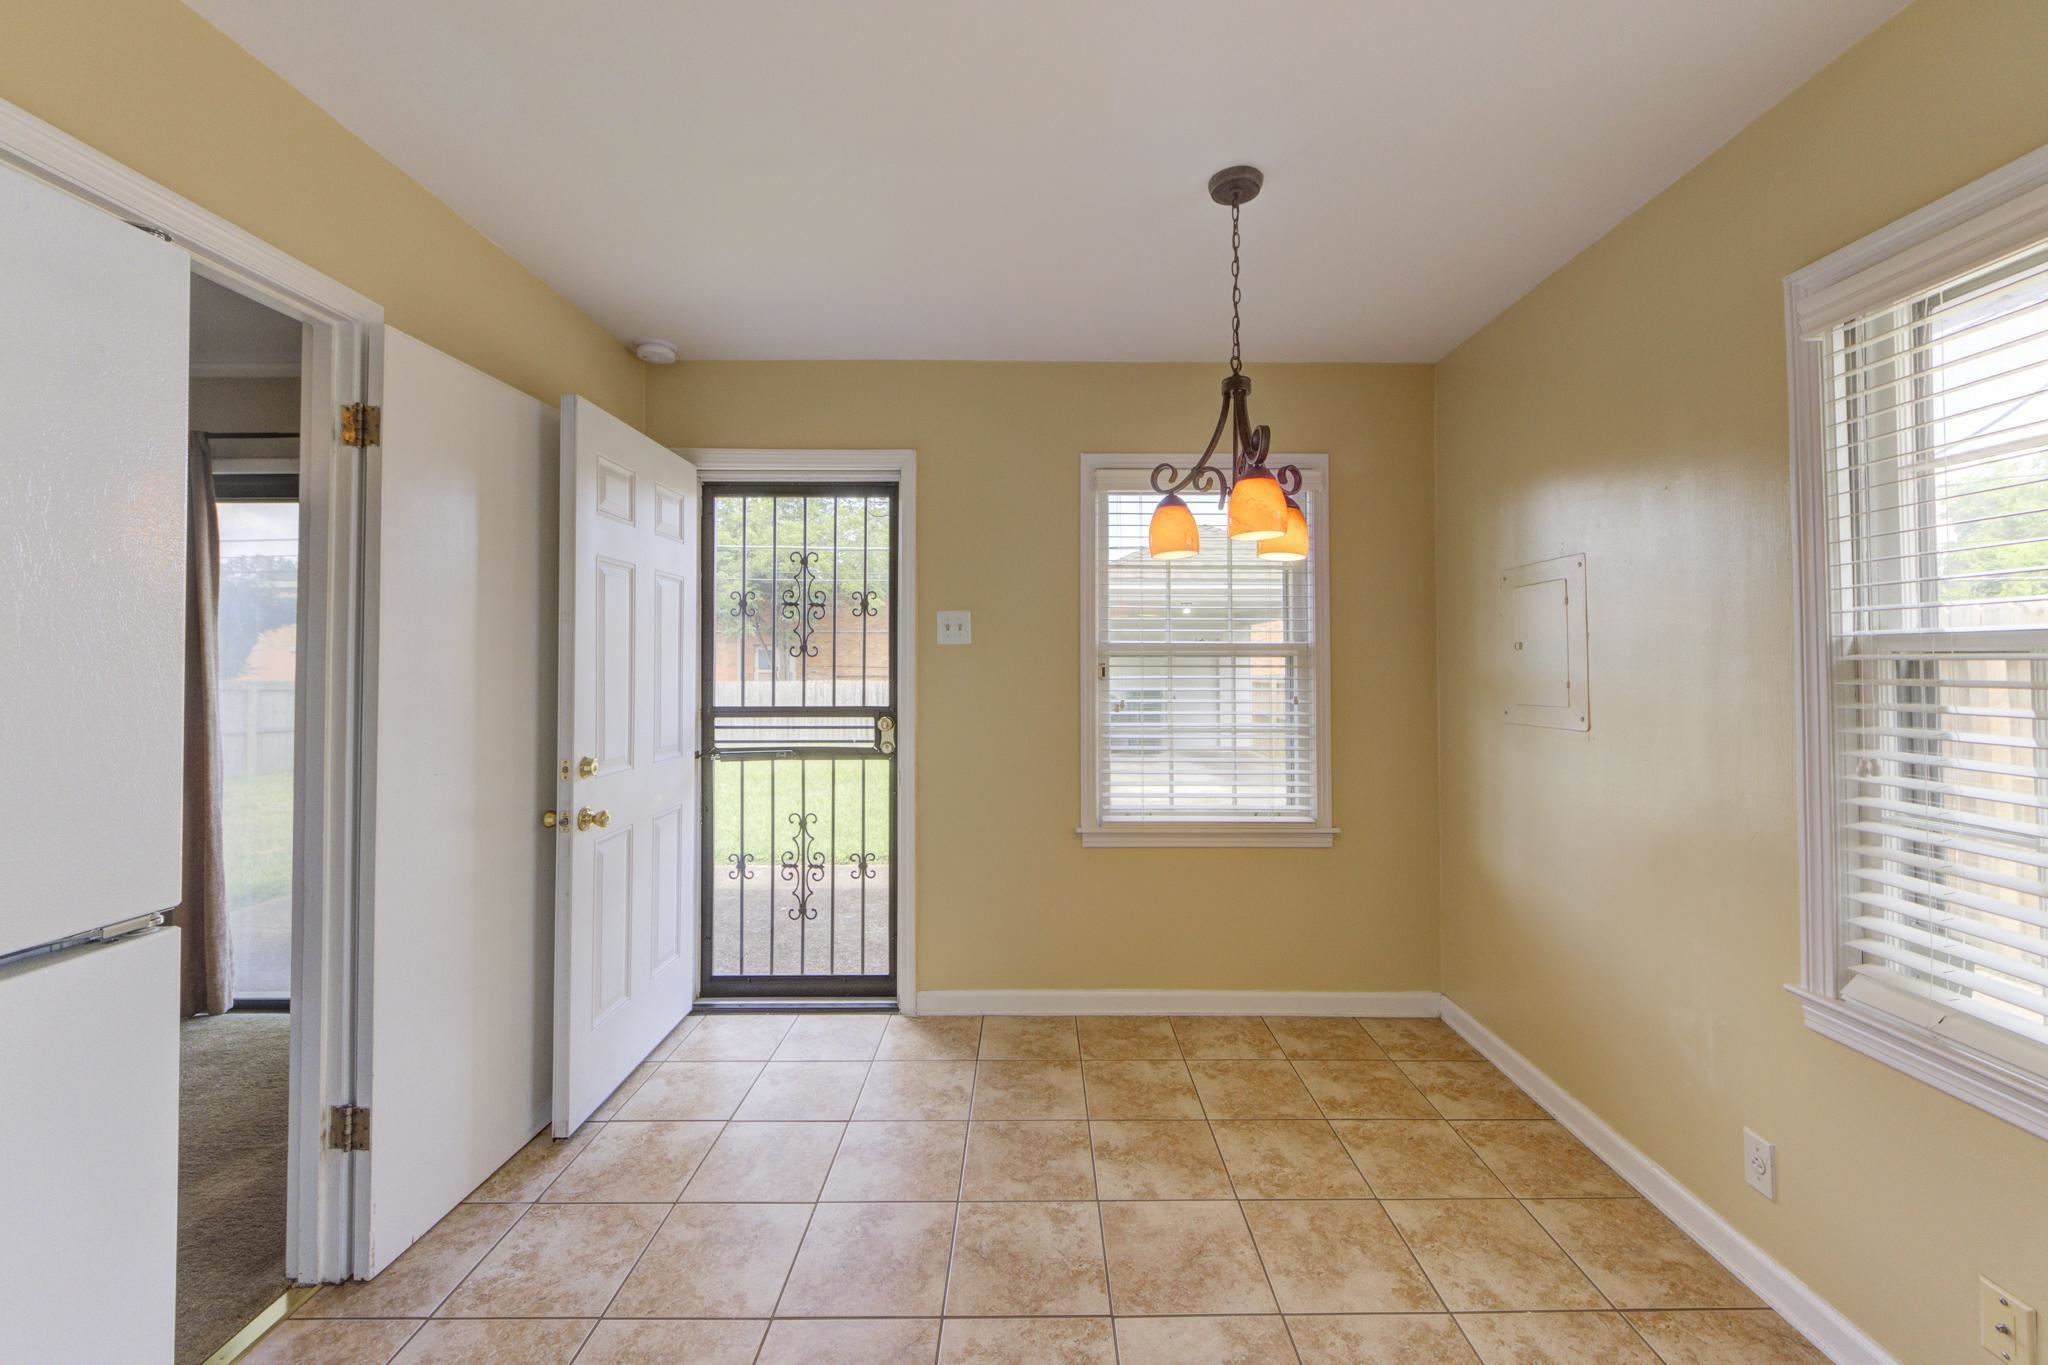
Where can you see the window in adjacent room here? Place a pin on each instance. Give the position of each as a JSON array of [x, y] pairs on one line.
[[1921, 413], [1204, 690]]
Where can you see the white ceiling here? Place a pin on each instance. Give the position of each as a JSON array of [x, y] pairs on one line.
[[960, 179], [235, 335]]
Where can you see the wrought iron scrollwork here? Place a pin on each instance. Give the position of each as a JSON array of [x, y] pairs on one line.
[[803, 864], [864, 602], [742, 867], [742, 602], [804, 603], [864, 866]]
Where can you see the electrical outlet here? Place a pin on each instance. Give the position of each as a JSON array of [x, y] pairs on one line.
[[2005, 1326], [1760, 1165], [956, 628]]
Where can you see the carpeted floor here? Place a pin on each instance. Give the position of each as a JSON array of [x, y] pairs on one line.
[[231, 1175]]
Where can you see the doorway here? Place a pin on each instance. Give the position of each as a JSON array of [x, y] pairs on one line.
[[799, 726]]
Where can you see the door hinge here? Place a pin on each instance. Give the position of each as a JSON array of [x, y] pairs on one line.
[[348, 1129], [362, 426]]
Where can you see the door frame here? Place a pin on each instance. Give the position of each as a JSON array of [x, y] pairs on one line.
[[726, 465], [339, 360]]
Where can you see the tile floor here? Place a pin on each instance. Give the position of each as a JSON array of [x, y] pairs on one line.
[[871, 1188]]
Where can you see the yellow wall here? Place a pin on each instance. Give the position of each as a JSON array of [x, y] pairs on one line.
[[156, 87], [1622, 906], [1007, 897]]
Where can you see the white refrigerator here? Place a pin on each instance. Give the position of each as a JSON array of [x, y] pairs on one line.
[[93, 382]]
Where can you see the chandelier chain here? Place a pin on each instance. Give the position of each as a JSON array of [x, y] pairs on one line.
[[1236, 295]]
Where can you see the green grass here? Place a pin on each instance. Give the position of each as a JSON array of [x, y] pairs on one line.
[[256, 826], [800, 786]]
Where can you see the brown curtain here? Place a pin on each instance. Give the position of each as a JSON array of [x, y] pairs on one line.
[[207, 985]]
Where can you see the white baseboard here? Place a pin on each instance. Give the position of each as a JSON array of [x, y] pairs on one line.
[[1824, 1325], [1368, 1004]]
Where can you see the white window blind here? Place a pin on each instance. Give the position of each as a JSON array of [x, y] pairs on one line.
[[1204, 701], [1936, 432]]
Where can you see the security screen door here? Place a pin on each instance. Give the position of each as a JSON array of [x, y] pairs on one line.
[[800, 740]]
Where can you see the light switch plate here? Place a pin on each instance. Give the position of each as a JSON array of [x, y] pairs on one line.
[[2005, 1326], [956, 627]]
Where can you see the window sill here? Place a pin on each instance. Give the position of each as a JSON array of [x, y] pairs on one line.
[[1997, 1088], [1238, 835]]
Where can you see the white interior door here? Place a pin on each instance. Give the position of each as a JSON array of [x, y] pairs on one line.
[[459, 715], [626, 917]]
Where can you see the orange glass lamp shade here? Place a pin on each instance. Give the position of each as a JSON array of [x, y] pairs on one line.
[[1258, 509], [1291, 544], [1173, 534]]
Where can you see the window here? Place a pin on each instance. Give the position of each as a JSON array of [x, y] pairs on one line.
[[1205, 717], [1921, 449]]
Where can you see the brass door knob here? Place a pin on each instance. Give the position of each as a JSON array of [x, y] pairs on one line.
[[587, 817], [586, 767]]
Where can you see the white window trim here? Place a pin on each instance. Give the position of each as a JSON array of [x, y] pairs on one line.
[[1974, 226], [1318, 833]]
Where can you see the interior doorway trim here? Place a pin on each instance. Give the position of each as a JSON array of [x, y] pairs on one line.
[[343, 330], [853, 466]]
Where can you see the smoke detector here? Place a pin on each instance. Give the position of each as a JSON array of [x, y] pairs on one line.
[[656, 352]]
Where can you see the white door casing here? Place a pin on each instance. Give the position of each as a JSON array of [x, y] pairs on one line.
[[459, 647], [626, 917], [93, 375]]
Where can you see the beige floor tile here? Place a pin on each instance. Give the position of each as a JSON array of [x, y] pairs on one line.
[[931, 1038], [531, 1169], [1179, 1341], [358, 1342], [666, 1343], [1027, 1341], [715, 1261], [1363, 1090], [733, 1038], [1027, 1260], [692, 1090], [1028, 1090], [1219, 1036], [1337, 1256], [560, 1260], [1324, 1040], [1554, 1339], [1251, 1090], [1028, 1159], [1417, 1159], [1383, 1339], [1171, 1257], [1638, 1257], [916, 1090], [1489, 1255], [1471, 1090], [833, 1038], [424, 1273], [627, 1089], [504, 1341], [765, 1163], [1153, 1159], [898, 1341], [1141, 1090], [871, 1260], [633, 1162], [1022, 1038], [667, 1046], [804, 1091], [1420, 1040], [1725, 1337], [1127, 1038], [1538, 1159], [1287, 1159], [897, 1160]]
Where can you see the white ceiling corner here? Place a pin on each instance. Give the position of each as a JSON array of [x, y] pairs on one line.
[[926, 179]]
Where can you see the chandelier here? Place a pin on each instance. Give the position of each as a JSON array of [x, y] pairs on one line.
[[1261, 501]]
